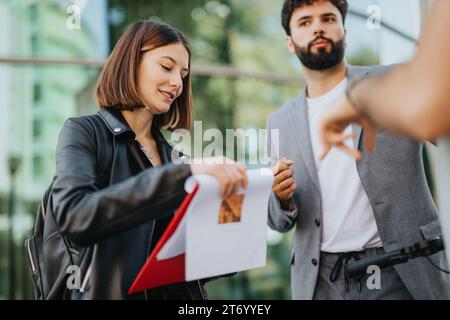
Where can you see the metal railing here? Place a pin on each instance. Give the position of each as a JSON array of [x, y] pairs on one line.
[[197, 70]]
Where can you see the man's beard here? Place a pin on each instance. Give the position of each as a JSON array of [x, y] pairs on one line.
[[321, 60]]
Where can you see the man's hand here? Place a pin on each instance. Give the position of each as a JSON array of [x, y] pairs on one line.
[[334, 124], [284, 184]]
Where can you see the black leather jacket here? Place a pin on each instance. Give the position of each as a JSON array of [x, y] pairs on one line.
[[107, 207]]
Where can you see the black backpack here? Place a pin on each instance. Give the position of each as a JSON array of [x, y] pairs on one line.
[[51, 272], [47, 283]]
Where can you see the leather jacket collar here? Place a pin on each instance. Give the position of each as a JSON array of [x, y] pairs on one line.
[[118, 126], [115, 121]]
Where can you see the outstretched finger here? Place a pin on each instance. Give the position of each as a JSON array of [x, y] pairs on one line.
[[351, 152], [334, 139], [325, 151]]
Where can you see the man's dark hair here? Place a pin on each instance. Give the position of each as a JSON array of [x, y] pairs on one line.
[[289, 7]]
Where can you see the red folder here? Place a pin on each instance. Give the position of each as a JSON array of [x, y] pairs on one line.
[[156, 272]]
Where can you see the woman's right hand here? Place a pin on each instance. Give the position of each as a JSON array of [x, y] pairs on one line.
[[232, 176]]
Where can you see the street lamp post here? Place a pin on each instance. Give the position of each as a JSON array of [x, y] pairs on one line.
[[13, 164]]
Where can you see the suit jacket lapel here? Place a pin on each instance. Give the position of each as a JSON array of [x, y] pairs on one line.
[[298, 119], [354, 73], [357, 130]]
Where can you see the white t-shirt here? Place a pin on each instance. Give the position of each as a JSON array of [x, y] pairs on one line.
[[347, 217]]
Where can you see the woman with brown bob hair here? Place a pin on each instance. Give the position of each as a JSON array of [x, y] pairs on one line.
[[116, 185]]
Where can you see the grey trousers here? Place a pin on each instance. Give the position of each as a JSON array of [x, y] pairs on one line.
[[390, 286]]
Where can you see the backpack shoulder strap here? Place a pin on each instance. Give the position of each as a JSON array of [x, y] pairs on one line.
[[105, 152]]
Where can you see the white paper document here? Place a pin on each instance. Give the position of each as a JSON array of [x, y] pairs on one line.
[[220, 237]]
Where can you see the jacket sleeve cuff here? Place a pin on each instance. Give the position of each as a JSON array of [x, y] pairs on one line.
[[292, 211]]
